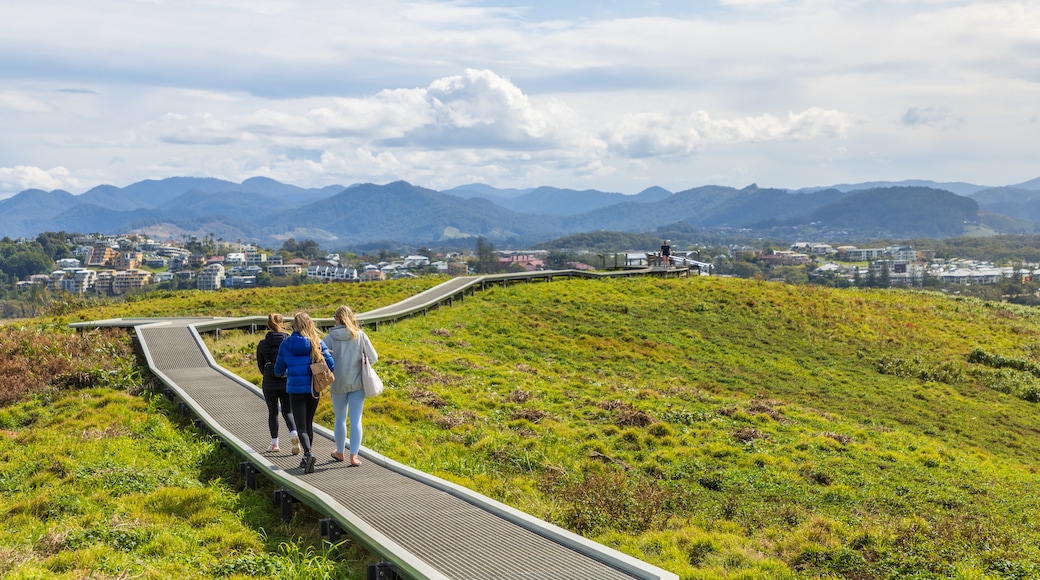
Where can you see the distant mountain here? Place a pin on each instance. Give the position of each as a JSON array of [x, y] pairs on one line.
[[485, 191], [553, 200], [403, 212], [265, 211], [1031, 184], [899, 212], [245, 205], [23, 214], [958, 187], [1016, 201]]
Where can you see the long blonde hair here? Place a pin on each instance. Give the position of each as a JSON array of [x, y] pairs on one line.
[[345, 316], [303, 324]]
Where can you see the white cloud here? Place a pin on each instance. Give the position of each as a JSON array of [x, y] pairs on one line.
[[682, 134], [20, 102], [20, 178], [447, 91]]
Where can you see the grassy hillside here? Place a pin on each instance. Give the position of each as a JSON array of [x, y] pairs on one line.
[[725, 428]]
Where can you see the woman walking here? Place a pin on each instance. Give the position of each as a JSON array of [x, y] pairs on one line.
[[346, 342], [274, 385], [295, 356]]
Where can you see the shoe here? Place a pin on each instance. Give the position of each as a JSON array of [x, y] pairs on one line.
[[338, 456], [309, 462], [295, 444], [303, 463], [273, 447]]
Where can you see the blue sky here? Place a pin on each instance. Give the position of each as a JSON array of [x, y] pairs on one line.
[[612, 95]]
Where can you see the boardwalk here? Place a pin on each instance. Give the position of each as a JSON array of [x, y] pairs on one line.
[[426, 527]]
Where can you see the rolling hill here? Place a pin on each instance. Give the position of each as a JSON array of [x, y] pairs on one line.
[[715, 427]]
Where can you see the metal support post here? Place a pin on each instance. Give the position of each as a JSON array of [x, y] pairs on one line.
[[249, 472], [285, 499]]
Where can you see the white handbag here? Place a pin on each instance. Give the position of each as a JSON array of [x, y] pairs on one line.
[[371, 381]]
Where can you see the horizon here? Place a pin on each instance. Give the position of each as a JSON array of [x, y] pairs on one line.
[[618, 97], [860, 185]]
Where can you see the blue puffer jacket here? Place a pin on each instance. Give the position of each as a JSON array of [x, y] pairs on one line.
[[294, 362]]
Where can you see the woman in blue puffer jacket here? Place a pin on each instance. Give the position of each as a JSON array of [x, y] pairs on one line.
[[295, 356]]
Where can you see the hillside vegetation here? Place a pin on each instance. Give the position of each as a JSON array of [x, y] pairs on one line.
[[713, 426], [722, 428]]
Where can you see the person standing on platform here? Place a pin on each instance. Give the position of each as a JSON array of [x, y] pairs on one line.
[[666, 252], [295, 356], [275, 396], [346, 342]]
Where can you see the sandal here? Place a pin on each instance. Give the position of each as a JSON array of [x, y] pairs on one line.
[[355, 461], [338, 456]]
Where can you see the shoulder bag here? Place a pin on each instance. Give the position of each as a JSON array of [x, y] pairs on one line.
[[321, 377], [369, 379]]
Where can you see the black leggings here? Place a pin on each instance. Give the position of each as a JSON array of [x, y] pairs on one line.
[[303, 408], [276, 399]]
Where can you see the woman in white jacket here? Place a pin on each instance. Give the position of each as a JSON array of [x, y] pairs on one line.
[[346, 341]]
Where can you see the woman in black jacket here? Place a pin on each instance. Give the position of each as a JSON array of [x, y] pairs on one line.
[[273, 385]]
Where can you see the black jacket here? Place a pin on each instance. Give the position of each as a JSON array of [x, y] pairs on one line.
[[266, 353]]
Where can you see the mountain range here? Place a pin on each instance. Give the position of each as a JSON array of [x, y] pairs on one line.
[[267, 212]]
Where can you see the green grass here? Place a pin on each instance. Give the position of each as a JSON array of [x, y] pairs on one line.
[[722, 428], [318, 300]]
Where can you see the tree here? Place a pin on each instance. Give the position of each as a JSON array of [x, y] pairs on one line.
[[53, 244], [487, 260]]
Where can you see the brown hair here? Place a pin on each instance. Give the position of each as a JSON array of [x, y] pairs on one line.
[[303, 324], [345, 316], [275, 322]]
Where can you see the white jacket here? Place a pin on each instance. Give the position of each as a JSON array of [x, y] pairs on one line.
[[346, 351]]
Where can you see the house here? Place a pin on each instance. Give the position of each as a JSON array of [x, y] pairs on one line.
[[333, 273], [241, 282], [371, 275], [415, 262], [284, 269]]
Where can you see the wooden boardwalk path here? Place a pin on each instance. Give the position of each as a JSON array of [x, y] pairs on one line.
[[424, 526]]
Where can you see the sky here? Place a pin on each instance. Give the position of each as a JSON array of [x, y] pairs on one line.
[[615, 95]]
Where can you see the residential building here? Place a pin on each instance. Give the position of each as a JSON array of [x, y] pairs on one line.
[[101, 255], [284, 269], [333, 273], [212, 277], [241, 282], [371, 275], [863, 254], [124, 281], [128, 260], [256, 258]]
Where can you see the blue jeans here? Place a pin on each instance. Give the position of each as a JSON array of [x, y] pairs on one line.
[[353, 402]]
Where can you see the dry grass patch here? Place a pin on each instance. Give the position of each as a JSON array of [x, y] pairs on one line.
[[749, 434], [428, 398], [455, 419], [518, 396], [532, 415]]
